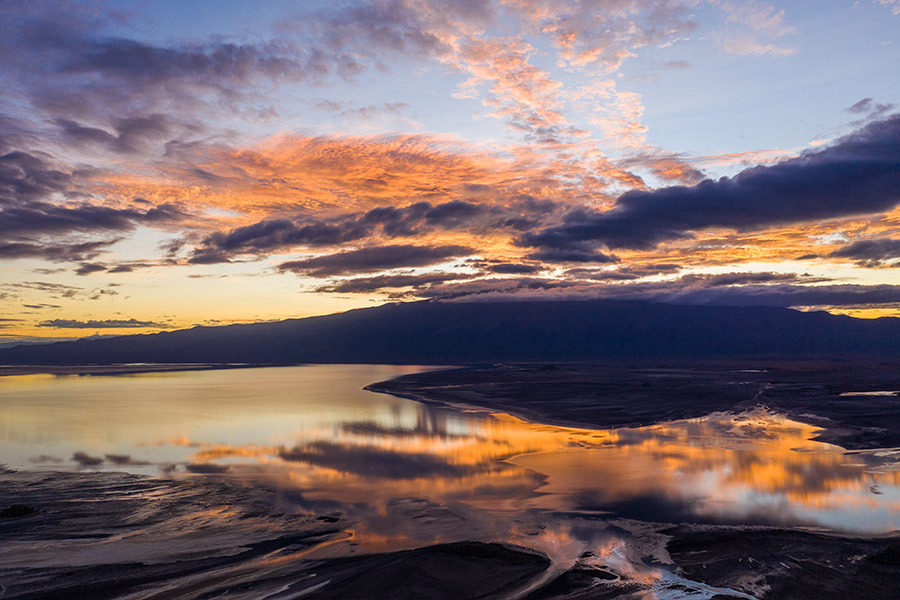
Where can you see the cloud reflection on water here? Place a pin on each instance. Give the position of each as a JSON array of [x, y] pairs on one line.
[[326, 444]]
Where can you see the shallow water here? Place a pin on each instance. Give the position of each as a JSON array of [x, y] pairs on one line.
[[407, 474]]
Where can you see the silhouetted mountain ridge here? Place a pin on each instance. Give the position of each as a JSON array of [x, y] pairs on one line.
[[444, 332]]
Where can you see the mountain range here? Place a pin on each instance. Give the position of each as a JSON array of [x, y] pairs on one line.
[[432, 332]]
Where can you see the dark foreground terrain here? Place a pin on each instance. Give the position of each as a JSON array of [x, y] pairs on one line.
[[112, 535]]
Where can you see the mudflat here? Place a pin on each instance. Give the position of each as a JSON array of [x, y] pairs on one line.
[[856, 402]]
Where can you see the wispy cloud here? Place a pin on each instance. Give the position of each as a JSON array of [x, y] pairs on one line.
[[102, 324]]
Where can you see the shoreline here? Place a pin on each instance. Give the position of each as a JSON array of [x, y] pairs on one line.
[[839, 401], [123, 369], [687, 557]]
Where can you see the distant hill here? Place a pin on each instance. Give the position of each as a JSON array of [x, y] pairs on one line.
[[443, 332]]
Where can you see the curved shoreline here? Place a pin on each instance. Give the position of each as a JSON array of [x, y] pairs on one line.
[[610, 396]]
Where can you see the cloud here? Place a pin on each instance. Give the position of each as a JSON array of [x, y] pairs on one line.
[[29, 180], [132, 134], [105, 324], [30, 184], [374, 259], [869, 252], [869, 110], [508, 287], [723, 289], [390, 221], [855, 176], [514, 269], [25, 177], [754, 28], [88, 268], [894, 4], [362, 285], [623, 273], [370, 112], [65, 61], [578, 254], [77, 252], [781, 295]]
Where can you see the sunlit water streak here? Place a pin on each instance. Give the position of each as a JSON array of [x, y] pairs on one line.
[[408, 474]]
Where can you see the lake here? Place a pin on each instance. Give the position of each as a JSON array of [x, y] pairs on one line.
[[406, 474]]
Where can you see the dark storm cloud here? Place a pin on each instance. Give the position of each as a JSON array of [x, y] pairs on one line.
[[374, 259], [524, 286], [514, 269], [26, 183], [723, 279], [576, 254], [50, 218], [88, 268], [206, 256], [271, 234], [28, 180], [58, 253], [25, 177], [214, 64], [858, 175], [124, 268], [105, 324], [775, 289], [68, 65], [360, 285], [869, 252], [622, 273], [390, 221], [726, 289]]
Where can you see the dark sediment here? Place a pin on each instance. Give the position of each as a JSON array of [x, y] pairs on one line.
[[461, 571], [102, 535], [606, 396], [107, 535], [789, 564]]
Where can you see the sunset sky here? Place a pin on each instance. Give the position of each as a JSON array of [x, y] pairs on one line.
[[168, 164]]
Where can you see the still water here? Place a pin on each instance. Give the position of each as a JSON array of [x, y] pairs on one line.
[[409, 473]]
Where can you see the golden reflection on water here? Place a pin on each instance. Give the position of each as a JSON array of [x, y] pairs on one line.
[[408, 470]]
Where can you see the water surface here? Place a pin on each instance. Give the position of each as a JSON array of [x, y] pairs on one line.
[[409, 474]]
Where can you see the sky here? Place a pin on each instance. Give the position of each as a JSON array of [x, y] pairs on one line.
[[169, 164]]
